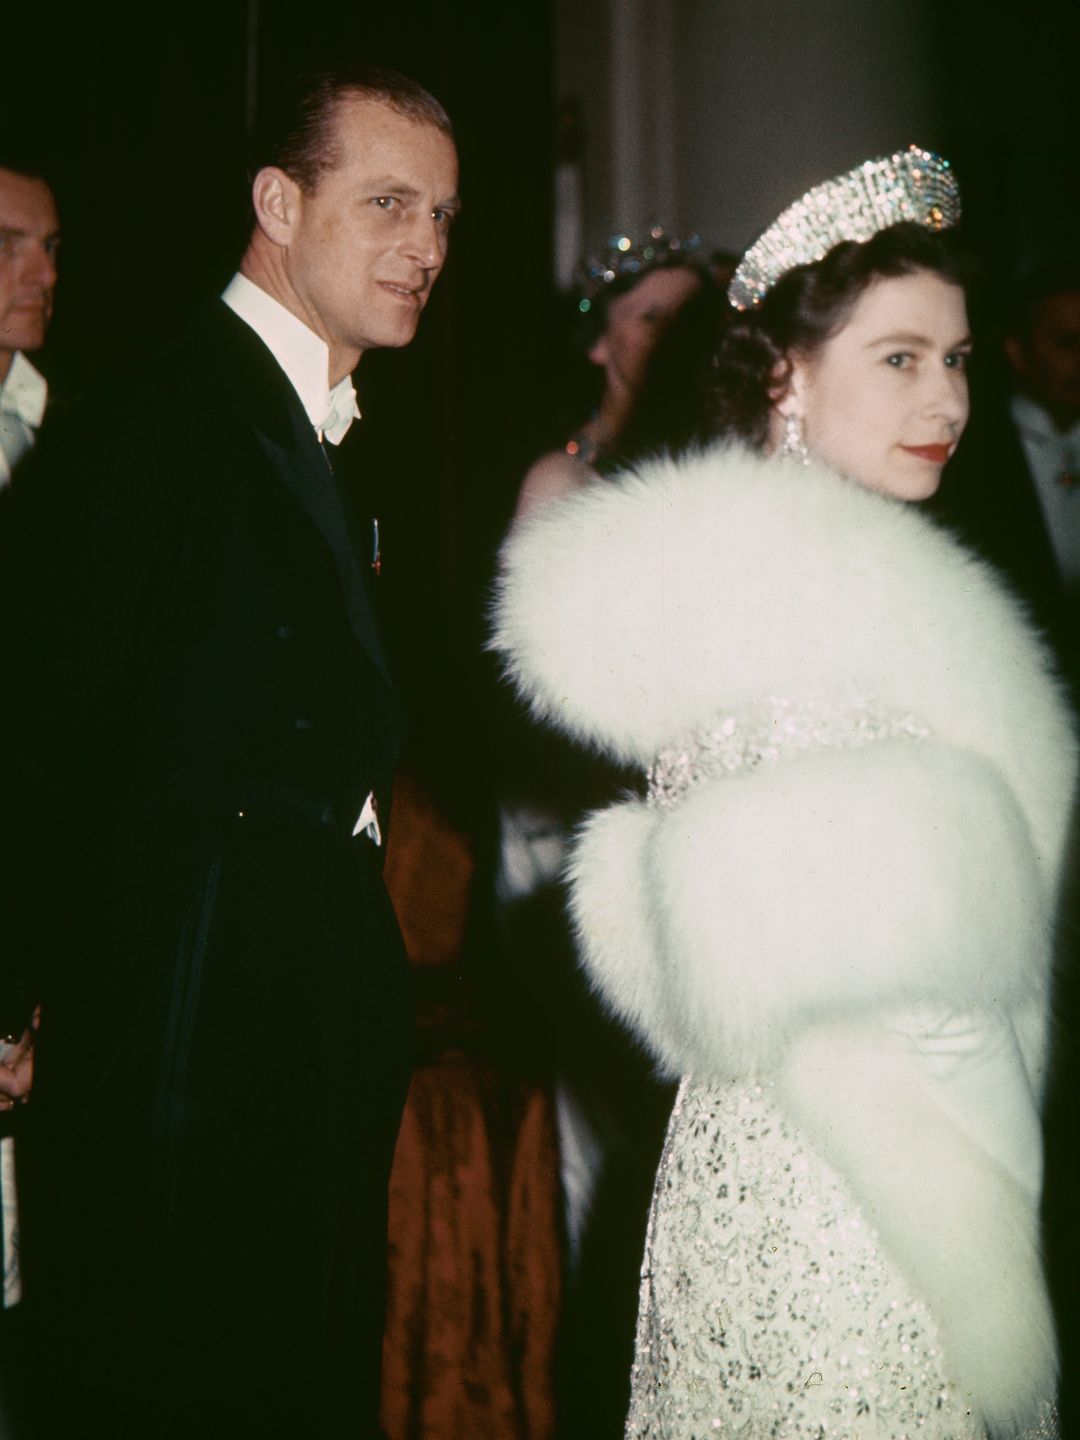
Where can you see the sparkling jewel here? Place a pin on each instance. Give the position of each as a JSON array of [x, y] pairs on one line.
[[912, 185], [779, 727], [626, 256]]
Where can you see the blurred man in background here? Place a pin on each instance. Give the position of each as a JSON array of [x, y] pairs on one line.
[[29, 241]]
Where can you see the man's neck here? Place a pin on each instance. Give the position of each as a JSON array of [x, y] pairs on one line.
[[268, 272]]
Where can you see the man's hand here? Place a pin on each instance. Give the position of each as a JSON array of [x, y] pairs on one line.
[[17, 1067]]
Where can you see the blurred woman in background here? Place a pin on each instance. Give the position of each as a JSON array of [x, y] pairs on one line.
[[631, 296], [651, 311]]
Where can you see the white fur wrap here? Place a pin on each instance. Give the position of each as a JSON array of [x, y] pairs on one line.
[[781, 919]]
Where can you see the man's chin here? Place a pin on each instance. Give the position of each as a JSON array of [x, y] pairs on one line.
[[24, 337], [395, 337]]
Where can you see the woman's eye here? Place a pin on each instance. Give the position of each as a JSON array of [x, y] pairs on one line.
[[901, 360], [958, 360]]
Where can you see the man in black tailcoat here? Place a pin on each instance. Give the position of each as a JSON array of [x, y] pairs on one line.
[[210, 734]]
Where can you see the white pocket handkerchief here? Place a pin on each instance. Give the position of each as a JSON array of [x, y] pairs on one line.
[[368, 822]]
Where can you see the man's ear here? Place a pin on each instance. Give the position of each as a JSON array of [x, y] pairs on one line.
[[276, 198]]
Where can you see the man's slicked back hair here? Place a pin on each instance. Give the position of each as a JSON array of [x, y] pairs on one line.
[[28, 162], [297, 132]]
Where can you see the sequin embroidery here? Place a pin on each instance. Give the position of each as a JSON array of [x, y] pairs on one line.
[[767, 1308]]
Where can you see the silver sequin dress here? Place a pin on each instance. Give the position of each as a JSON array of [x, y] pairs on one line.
[[768, 1307]]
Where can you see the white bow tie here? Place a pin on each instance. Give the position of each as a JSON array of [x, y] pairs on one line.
[[24, 393], [342, 412], [22, 406]]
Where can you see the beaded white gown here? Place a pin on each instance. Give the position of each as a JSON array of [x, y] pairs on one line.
[[768, 1308]]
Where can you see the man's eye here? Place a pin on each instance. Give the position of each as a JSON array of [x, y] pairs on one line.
[[385, 202], [445, 218]]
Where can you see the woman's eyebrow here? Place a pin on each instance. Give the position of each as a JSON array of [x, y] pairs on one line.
[[913, 340]]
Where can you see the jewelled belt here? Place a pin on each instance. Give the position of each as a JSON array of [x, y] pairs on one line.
[[780, 727]]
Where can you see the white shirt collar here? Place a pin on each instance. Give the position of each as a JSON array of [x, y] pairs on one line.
[[1053, 461], [24, 391], [22, 406], [1034, 422], [303, 356]]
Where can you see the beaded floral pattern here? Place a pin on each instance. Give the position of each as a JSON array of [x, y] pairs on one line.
[[768, 1308]]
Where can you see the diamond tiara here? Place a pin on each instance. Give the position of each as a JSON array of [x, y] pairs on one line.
[[626, 256], [913, 184]]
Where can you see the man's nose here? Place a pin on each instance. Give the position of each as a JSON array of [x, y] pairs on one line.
[[39, 266], [426, 242]]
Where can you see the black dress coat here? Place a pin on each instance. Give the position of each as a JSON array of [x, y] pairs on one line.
[[989, 497], [227, 1032]]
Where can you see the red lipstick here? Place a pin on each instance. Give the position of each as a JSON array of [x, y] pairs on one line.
[[938, 454]]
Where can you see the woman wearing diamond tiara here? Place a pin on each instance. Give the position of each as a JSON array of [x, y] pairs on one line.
[[831, 914], [631, 296]]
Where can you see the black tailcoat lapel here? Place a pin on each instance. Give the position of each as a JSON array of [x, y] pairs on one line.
[[237, 367]]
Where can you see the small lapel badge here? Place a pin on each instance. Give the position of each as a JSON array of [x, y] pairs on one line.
[[368, 823], [376, 551]]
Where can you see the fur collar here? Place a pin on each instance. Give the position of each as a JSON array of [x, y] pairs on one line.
[[640, 609]]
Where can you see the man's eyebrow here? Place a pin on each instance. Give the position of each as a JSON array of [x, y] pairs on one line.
[[386, 184], [390, 182], [19, 234]]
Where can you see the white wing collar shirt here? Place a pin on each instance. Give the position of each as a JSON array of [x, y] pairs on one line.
[[301, 354], [22, 405]]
